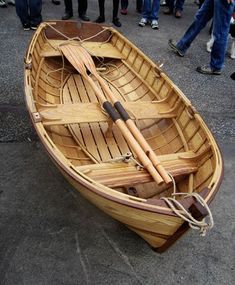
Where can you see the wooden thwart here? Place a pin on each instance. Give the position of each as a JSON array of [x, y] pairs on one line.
[[92, 112], [121, 174], [94, 48]]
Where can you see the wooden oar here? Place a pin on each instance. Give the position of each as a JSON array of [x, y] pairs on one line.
[[89, 63], [77, 61]]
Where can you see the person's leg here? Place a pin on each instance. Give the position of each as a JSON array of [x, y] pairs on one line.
[[124, 4], [179, 5], [35, 8], [82, 7], [146, 10], [22, 11], [101, 8], [201, 18], [68, 6], [221, 24], [68, 10], [139, 4], [115, 8], [155, 9], [169, 7], [116, 21], [101, 17]]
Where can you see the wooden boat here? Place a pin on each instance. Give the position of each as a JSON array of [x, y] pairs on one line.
[[95, 154]]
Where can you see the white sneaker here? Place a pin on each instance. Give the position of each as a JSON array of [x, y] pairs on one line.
[[143, 22], [232, 50], [154, 24], [3, 3]]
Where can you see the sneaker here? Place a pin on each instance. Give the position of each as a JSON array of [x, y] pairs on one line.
[[232, 51], [116, 22], [33, 27], [154, 24], [143, 22], [123, 11], [163, 3], [172, 44], [3, 4], [205, 69], [26, 26]]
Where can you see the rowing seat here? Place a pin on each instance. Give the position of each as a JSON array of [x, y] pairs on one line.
[[98, 49], [91, 112], [121, 174]]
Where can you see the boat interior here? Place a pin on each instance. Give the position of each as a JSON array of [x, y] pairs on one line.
[[81, 130]]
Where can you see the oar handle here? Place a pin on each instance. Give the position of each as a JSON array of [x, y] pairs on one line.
[[142, 141], [115, 116]]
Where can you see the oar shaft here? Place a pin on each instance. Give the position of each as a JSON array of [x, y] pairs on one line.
[[115, 116], [77, 62], [125, 116], [134, 130]]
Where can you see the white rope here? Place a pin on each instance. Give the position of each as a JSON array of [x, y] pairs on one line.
[[181, 212]]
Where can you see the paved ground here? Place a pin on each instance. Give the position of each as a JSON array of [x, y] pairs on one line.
[[51, 235]]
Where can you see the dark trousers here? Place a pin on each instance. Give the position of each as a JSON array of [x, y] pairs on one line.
[[29, 11], [125, 3], [82, 6], [115, 8]]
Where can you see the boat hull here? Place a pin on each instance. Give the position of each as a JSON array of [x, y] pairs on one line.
[[81, 140]]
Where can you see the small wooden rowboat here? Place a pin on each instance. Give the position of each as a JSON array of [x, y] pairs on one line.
[[120, 131]]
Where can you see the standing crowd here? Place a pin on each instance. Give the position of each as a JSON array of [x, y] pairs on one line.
[[219, 11]]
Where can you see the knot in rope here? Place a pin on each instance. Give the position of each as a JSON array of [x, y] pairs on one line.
[[127, 157]]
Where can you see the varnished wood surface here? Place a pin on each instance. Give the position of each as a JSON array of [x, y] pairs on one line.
[[81, 140]]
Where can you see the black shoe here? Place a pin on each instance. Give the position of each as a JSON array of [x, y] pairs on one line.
[[33, 27], [26, 26], [232, 76], [84, 17], [56, 2], [205, 69], [100, 20], [116, 22], [172, 44], [67, 15]]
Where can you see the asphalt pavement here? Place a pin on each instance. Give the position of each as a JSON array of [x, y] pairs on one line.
[[49, 234]]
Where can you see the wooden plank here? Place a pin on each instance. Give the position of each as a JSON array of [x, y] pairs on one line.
[[94, 48], [92, 112], [83, 132], [121, 174]]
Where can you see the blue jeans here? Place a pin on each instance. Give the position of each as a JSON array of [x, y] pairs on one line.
[[175, 5], [221, 13], [150, 10], [29, 11]]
